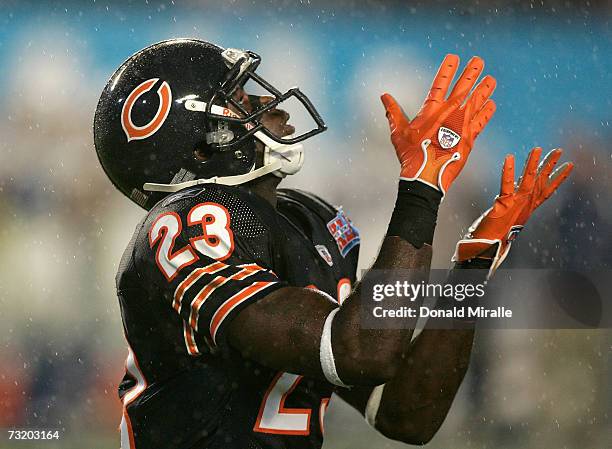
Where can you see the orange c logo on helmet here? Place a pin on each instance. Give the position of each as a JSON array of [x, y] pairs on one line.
[[134, 132]]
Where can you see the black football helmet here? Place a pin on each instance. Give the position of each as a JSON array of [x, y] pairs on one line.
[[172, 98]]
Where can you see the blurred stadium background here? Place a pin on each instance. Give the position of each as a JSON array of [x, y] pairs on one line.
[[63, 227]]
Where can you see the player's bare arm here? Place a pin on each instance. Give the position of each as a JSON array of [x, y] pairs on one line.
[[292, 344], [432, 150], [412, 406]]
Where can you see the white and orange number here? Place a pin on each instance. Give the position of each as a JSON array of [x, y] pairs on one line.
[[274, 417], [216, 241]]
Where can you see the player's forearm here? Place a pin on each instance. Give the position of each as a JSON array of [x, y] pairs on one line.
[[416, 401], [369, 356]]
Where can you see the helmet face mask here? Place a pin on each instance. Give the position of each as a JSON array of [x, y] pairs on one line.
[[242, 66], [173, 98]]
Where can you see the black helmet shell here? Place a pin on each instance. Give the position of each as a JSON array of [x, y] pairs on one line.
[[142, 130]]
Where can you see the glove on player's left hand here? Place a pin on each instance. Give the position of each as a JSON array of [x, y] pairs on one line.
[[491, 235], [434, 146]]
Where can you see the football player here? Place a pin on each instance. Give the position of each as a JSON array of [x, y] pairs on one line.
[[238, 299]]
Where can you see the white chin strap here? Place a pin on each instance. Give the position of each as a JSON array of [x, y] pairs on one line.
[[291, 157], [279, 159]]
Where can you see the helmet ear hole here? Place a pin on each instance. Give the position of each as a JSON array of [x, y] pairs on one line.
[[202, 153]]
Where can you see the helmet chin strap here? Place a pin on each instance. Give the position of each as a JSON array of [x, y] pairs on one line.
[[279, 159], [225, 180], [291, 157]]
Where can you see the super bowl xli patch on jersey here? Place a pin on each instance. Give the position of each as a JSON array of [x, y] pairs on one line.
[[344, 232]]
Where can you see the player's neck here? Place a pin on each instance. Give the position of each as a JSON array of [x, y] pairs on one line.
[[265, 187]]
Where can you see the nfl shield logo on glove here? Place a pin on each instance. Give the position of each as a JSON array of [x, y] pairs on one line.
[[448, 138]]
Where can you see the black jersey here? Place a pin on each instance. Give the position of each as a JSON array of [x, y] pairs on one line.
[[199, 257]]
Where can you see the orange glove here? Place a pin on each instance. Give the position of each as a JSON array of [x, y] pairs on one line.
[[435, 145], [491, 235], [546, 182]]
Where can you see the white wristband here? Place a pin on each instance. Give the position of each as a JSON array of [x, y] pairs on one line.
[[326, 353], [374, 404]]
